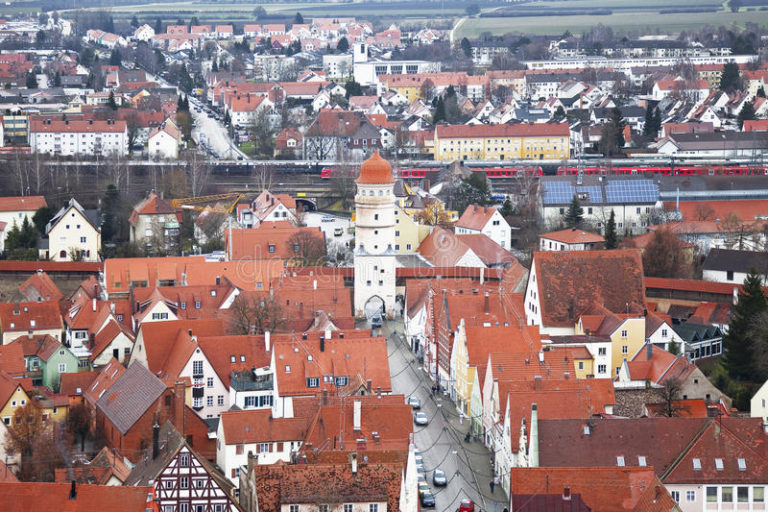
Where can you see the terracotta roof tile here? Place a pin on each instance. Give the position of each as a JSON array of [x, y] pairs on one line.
[[501, 130], [72, 382], [106, 335], [271, 240], [32, 496], [21, 203], [112, 371], [12, 360], [489, 252], [258, 426], [475, 217], [40, 285], [573, 236], [568, 282], [29, 316]]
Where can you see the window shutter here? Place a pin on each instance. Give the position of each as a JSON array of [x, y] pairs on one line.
[[279, 447], [233, 473]]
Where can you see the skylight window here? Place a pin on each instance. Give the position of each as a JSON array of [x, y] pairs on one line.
[[641, 460], [719, 464], [620, 460], [742, 464], [697, 464]]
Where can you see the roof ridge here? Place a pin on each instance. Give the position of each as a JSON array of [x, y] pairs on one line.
[[687, 448]]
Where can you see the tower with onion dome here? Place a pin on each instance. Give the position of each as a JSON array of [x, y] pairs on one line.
[[374, 239]]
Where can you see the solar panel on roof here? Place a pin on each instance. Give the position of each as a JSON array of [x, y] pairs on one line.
[[631, 191]]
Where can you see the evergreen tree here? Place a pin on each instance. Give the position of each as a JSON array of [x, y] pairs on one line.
[[439, 114], [57, 79], [353, 89], [747, 113], [611, 238], [729, 79], [506, 208], [215, 65], [111, 202], [114, 58], [657, 121], [135, 22], [343, 45], [472, 190], [158, 26], [738, 343], [41, 217], [466, 47], [575, 214], [673, 348], [31, 81], [298, 19], [649, 129], [111, 102]]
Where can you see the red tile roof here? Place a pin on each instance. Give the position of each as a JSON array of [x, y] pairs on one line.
[[570, 281], [152, 205], [35, 496], [106, 336], [573, 236], [40, 346], [103, 381], [21, 203], [605, 489], [475, 217], [489, 252], [120, 272], [37, 125], [248, 351], [272, 240], [71, 382], [29, 316], [168, 345], [40, 284], [258, 426], [12, 360], [501, 130], [745, 209]]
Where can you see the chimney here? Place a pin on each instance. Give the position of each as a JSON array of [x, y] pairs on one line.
[[179, 391], [482, 275], [369, 386], [73, 490], [218, 280], [352, 462], [537, 382], [155, 440], [566, 494], [322, 343], [587, 429], [314, 284], [94, 304], [356, 414], [487, 303], [541, 357], [325, 397], [533, 448], [266, 341]]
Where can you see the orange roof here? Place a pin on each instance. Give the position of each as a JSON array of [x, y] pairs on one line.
[[475, 217], [73, 384], [258, 426], [119, 273], [661, 366], [244, 274], [697, 408], [104, 380], [152, 205], [12, 360], [29, 316], [605, 489], [501, 130], [234, 353], [105, 336], [375, 170], [160, 338], [489, 252], [573, 236], [22, 203], [37, 125], [746, 210], [273, 240], [40, 284], [33, 496]]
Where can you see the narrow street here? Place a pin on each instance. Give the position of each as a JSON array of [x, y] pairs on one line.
[[467, 465]]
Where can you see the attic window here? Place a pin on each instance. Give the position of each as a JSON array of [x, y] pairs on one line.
[[697, 464], [287, 368], [242, 358], [742, 464], [620, 460], [641, 460], [213, 293], [232, 359], [719, 464], [183, 305]]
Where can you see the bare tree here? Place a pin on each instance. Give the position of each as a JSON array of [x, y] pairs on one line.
[[263, 175], [254, 314], [198, 172], [308, 248], [670, 393], [343, 184]]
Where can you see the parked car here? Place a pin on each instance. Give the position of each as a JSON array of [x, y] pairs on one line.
[[419, 460], [327, 218], [428, 500], [467, 506], [338, 231], [421, 419], [424, 488], [376, 321], [439, 478], [414, 402]]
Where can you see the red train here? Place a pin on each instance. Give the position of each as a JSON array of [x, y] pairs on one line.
[[422, 172], [682, 170]]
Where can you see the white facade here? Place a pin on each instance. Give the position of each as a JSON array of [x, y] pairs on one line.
[[13, 217], [758, 406], [337, 66], [120, 347], [163, 146], [73, 234], [374, 242], [631, 217], [144, 33], [725, 276], [209, 395], [79, 143], [367, 73]]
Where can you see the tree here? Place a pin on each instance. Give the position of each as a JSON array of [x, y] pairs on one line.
[[255, 314], [32, 437], [110, 207], [158, 26], [747, 113], [135, 22], [664, 256], [114, 58], [507, 210], [31, 80], [79, 421], [559, 113], [343, 45], [259, 12], [40, 38], [649, 128], [21, 241], [670, 393], [673, 348], [730, 79], [427, 90], [472, 9], [433, 214], [439, 113], [611, 239], [761, 92], [41, 217], [111, 102], [298, 19], [466, 47], [308, 249], [575, 214], [353, 89], [739, 340], [472, 190]]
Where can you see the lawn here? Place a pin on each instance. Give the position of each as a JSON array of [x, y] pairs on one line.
[[620, 22]]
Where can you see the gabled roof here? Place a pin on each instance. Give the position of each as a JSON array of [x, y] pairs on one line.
[[475, 217], [12, 360], [112, 371], [105, 336], [573, 236], [661, 366], [489, 252], [8, 387], [152, 205], [21, 203], [29, 316], [569, 281], [248, 352], [40, 346], [130, 396], [272, 240], [734, 260], [40, 284], [606, 489], [168, 345], [74, 384]]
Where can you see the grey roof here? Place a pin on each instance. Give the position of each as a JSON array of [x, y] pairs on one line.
[[92, 216], [130, 396], [149, 469], [720, 140], [414, 260], [693, 333], [725, 260], [598, 190], [698, 188]]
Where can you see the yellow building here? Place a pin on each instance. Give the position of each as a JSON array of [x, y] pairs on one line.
[[12, 396], [502, 142], [408, 233]]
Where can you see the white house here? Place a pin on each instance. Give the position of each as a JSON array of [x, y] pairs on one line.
[[732, 266], [256, 432], [13, 210], [78, 137], [569, 240], [144, 33], [163, 142], [73, 233], [485, 220], [758, 406]]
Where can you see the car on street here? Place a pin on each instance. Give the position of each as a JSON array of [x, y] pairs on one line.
[[414, 402], [427, 500], [338, 231], [327, 218], [424, 487], [439, 479], [467, 506], [421, 419], [419, 461], [376, 321]]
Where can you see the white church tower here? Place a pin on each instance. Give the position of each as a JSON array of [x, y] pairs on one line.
[[374, 238]]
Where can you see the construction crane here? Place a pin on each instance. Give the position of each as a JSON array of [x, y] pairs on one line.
[[209, 203]]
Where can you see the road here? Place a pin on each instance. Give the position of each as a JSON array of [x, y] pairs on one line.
[[315, 219], [214, 134], [441, 443]]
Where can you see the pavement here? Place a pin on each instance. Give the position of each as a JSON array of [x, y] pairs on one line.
[[315, 219], [441, 443], [215, 134]]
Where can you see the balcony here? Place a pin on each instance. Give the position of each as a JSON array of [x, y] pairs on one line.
[[198, 392]]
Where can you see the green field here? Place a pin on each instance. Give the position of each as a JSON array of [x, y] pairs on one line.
[[620, 22]]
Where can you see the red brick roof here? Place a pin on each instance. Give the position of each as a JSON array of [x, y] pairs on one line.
[[21, 203], [271, 240], [40, 283], [573, 236], [570, 281], [29, 316], [606, 489], [33, 496], [502, 130], [475, 217], [40, 346], [76, 126]]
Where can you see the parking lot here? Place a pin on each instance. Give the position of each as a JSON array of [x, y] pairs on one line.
[[330, 225]]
